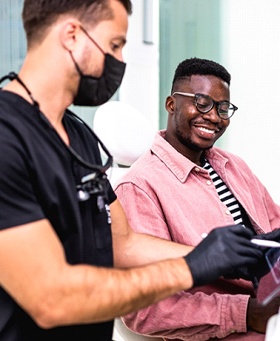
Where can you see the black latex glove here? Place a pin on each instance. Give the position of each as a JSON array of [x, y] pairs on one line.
[[261, 268], [274, 235], [224, 250], [251, 273]]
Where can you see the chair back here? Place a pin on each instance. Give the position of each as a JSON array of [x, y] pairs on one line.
[[126, 133]]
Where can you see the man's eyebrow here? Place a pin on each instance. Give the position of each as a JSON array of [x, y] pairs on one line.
[[122, 40]]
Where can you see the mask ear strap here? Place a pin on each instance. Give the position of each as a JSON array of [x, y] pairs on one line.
[[76, 65], [91, 39]]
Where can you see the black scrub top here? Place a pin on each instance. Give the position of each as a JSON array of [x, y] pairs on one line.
[[38, 179]]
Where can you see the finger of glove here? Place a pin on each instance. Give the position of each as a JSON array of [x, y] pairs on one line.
[[229, 233], [224, 235], [226, 250], [211, 259], [274, 235], [236, 241], [240, 230], [260, 269], [247, 272], [245, 247], [240, 272], [210, 265]]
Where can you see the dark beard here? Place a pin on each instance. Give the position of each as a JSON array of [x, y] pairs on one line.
[[187, 142]]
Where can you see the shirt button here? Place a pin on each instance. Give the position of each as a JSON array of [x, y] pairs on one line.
[[197, 169], [228, 212], [232, 331], [209, 182]]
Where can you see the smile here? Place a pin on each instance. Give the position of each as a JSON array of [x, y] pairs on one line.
[[209, 131]]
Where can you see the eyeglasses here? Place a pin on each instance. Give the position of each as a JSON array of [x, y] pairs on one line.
[[205, 103]]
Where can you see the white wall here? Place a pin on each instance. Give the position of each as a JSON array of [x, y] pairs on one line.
[[140, 86], [252, 55], [250, 39]]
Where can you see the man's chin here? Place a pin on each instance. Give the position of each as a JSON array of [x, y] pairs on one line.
[[199, 148], [196, 147]]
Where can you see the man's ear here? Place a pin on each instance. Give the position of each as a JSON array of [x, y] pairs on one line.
[[69, 33], [170, 104]]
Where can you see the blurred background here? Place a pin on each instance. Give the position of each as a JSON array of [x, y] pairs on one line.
[[241, 35]]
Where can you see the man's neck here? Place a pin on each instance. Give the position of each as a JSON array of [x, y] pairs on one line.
[[50, 102]]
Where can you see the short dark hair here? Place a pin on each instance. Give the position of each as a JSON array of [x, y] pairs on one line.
[[197, 66], [38, 15]]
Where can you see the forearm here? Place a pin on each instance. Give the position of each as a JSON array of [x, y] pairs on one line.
[[133, 249], [84, 294], [140, 249], [258, 314], [34, 272]]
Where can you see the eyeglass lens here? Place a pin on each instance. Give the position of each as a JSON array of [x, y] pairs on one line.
[[205, 103]]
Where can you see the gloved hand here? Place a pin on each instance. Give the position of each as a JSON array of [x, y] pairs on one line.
[[224, 250], [261, 268], [274, 235]]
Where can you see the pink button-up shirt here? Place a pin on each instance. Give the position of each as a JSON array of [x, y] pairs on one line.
[[167, 195]]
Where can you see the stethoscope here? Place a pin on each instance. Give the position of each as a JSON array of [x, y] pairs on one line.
[[91, 184]]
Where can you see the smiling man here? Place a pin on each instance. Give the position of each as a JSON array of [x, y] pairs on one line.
[[70, 263], [183, 187]]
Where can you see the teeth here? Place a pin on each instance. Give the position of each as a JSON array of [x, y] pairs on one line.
[[206, 130]]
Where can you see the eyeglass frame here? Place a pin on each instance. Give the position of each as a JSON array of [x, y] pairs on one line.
[[217, 104]]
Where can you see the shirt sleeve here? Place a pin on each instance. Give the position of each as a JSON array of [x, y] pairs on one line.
[[110, 193], [17, 199], [201, 312], [186, 316]]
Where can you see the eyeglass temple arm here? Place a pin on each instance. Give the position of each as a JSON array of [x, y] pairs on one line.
[[183, 94]]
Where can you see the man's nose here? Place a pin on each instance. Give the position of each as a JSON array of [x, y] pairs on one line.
[[213, 115]]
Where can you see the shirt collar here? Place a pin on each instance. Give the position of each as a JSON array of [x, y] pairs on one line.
[[178, 164]]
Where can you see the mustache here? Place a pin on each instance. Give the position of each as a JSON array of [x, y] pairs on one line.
[[204, 123], [207, 124]]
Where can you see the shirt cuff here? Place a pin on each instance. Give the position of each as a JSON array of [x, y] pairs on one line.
[[234, 314]]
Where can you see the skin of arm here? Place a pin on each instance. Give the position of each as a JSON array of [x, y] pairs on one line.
[[258, 315], [133, 249], [35, 273]]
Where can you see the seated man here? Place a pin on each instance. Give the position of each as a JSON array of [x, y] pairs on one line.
[[181, 189]]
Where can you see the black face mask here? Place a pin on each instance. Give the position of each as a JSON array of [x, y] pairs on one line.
[[93, 91]]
